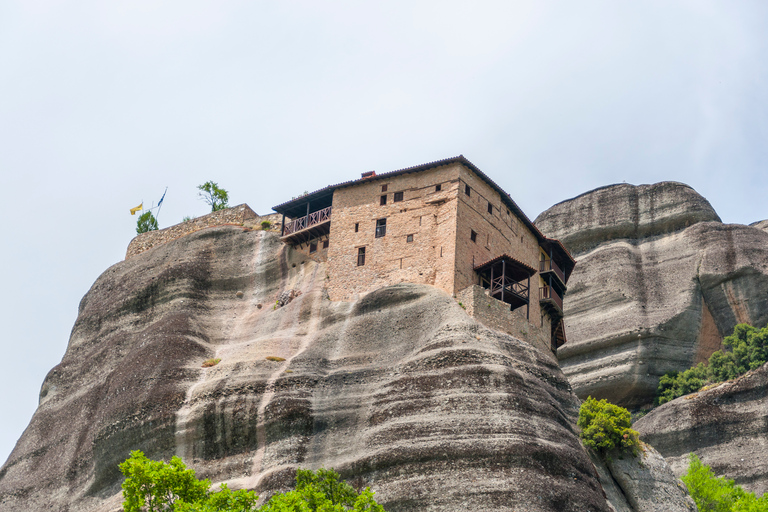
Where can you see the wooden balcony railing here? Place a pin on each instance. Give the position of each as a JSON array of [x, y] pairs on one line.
[[547, 265], [549, 293], [307, 221], [502, 286]]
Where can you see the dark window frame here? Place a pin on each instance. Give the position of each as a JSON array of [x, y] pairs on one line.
[[384, 188], [490, 208], [408, 239], [438, 187], [473, 235], [325, 244], [357, 227], [360, 256], [398, 196], [467, 190], [312, 247], [383, 200], [381, 227]]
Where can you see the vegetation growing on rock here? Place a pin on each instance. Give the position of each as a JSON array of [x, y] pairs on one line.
[[746, 349], [718, 494], [154, 486], [606, 427]]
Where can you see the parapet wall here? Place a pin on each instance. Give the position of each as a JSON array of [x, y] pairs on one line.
[[239, 215], [495, 314]]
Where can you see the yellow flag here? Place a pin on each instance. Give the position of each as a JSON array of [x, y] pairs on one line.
[[134, 210]]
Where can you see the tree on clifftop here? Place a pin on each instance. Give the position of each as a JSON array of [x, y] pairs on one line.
[[217, 197], [146, 222]]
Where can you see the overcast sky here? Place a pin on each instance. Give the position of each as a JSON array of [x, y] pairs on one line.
[[104, 104]]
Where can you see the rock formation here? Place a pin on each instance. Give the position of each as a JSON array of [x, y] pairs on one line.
[[725, 426], [400, 390], [659, 281]]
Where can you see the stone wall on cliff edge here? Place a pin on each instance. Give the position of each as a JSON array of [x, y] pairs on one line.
[[400, 390], [659, 281]]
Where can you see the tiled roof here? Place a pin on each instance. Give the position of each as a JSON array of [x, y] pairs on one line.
[[509, 258]]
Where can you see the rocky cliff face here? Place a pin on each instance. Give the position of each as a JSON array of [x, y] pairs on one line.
[[726, 426], [399, 390], [659, 281]]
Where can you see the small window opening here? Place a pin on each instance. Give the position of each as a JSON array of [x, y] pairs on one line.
[[507, 213], [312, 247], [401, 263], [488, 240], [361, 256], [419, 220], [473, 236], [409, 238], [441, 251], [357, 227], [383, 200], [325, 244], [383, 188], [466, 189], [381, 228], [398, 197], [438, 187], [490, 208]]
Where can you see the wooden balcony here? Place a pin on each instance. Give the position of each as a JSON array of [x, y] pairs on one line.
[[306, 228], [551, 300], [549, 265]]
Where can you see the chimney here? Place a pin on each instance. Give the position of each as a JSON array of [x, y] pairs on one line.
[[369, 174]]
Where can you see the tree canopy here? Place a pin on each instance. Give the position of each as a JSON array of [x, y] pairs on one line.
[[146, 222], [155, 486], [605, 427], [216, 197], [718, 494]]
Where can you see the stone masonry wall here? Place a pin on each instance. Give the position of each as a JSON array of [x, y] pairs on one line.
[[499, 232], [240, 214], [495, 314], [428, 215]]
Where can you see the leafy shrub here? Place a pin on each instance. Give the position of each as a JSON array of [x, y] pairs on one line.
[[211, 362], [154, 486], [216, 197], [718, 494], [746, 349], [146, 222], [265, 225], [605, 427]]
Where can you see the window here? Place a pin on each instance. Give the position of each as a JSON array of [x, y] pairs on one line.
[[438, 187], [490, 208], [381, 228], [473, 236], [325, 244], [466, 189], [383, 200], [409, 238], [383, 188], [312, 247], [361, 256], [398, 197], [357, 227]]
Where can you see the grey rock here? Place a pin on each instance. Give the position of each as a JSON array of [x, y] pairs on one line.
[[763, 224], [725, 426], [399, 390], [659, 281]]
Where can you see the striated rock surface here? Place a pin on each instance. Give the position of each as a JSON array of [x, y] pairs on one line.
[[642, 484], [726, 426], [659, 281], [400, 390], [763, 224]]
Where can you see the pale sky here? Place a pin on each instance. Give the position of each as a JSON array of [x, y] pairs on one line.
[[104, 104]]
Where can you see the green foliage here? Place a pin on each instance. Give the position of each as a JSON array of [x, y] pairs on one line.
[[186, 218], [718, 494], [605, 427], [266, 225], [146, 222], [217, 197], [322, 492], [156, 486], [746, 349]]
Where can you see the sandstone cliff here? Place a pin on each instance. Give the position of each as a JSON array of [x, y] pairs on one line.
[[399, 390], [726, 426], [659, 281]]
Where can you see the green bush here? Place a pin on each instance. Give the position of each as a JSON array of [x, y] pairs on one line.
[[216, 197], [606, 427], [746, 349], [154, 486], [146, 222], [266, 225], [718, 494]]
